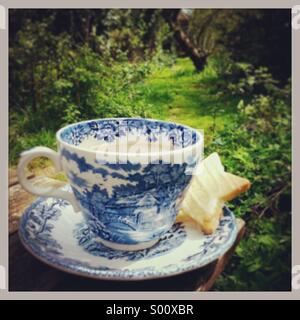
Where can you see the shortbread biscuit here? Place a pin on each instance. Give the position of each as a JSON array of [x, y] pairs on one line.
[[210, 187]]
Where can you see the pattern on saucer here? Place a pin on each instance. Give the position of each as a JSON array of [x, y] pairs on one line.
[[87, 240], [52, 232]]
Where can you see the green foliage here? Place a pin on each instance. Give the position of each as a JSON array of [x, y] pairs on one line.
[[261, 37], [19, 143], [133, 35], [267, 41], [257, 145], [207, 27], [54, 83]]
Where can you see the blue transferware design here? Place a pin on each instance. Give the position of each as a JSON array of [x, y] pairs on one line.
[[145, 204], [128, 203], [170, 241], [81, 162], [61, 238], [110, 129], [40, 224]]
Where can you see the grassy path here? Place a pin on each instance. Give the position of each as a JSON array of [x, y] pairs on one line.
[[180, 94]]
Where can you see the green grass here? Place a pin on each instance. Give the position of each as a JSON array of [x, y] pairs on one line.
[[176, 93], [181, 94]]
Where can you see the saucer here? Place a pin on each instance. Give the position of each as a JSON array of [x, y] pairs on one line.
[[55, 234]]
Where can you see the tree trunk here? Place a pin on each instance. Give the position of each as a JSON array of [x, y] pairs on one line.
[[198, 57], [33, 89], [87, 28]]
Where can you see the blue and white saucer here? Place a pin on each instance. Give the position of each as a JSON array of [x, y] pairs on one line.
[[53, 233]]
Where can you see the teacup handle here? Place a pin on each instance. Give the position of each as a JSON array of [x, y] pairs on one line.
[[50, 188]]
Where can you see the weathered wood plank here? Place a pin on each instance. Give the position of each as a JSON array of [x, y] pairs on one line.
[[13, 177], [19, 200]]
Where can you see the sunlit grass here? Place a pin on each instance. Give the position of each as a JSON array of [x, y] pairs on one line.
[[181, 94]]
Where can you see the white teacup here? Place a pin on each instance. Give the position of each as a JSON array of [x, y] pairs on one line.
[[127, 175]]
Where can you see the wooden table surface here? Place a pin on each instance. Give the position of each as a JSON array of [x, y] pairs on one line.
[[29, 274]]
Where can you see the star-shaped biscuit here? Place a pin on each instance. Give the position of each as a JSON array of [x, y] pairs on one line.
[[210, 187]]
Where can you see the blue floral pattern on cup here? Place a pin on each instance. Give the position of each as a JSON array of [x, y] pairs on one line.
[[110, 129], [127, 203]]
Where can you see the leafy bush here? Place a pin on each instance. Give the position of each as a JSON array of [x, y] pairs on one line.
[[257, 145], [239, 78], [55, 84]]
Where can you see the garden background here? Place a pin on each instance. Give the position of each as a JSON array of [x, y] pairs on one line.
[[222, 70]]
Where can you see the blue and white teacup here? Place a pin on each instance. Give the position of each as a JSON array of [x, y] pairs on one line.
[[127, 176]]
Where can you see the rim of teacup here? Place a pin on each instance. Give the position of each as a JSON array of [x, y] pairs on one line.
[[199, 143]]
